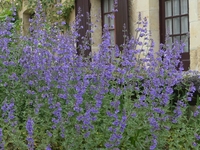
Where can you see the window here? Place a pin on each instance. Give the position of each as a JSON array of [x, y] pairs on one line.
[[116, 25], [174, 21]]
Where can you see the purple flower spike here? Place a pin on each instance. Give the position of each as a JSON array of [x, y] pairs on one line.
[[29, 128], [48, 147], [1, 139]]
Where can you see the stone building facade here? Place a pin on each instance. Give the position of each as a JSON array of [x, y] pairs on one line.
[[175, 17]]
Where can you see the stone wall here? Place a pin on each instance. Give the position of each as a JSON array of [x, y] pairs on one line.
[[96, 19], [194, 18]]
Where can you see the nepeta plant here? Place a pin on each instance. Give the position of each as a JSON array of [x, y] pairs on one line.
[[112, 99]]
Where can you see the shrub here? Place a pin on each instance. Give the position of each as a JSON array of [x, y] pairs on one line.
[[52, 98]]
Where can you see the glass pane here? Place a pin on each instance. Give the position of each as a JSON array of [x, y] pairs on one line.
[[109, 21], [176, 39], [175, 7], [112, 24], [184, 7], [184, 39], [184, 24], [105, 7], [168, 26], [106, 20], [169, 42], [186, 48], [112, 37], [168, 10], [176, 25], [111, 5]]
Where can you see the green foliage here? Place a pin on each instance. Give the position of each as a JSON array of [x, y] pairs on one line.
[[5, 4], [4, 13], [67, 8], [51, 9]]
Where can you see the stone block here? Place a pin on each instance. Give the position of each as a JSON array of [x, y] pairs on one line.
[[193, 10], [194, 60], [194, 34]]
